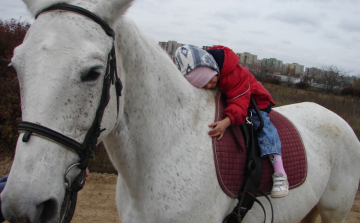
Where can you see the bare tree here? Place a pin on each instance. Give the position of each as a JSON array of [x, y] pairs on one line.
[[356, 82], [262, 72], [332, 77]]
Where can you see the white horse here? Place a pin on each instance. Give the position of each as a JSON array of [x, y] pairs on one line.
[[158, 141]]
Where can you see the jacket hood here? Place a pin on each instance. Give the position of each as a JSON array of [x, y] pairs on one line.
[[230, 59]]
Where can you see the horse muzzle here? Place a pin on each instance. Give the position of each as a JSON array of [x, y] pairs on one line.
[[30, 209]]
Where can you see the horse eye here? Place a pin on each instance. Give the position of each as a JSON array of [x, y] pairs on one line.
[[92, 75]]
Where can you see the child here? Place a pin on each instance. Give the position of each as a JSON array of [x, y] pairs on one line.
[[218, 67]]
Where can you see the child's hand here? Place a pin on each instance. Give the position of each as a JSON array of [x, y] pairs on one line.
[[219, 127]]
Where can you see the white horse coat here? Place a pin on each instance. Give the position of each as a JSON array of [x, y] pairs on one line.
[[158, 142]]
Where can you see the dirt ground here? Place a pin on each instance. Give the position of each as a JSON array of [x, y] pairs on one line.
[[96, 202]]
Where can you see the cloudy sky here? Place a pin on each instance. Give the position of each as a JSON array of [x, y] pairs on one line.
[[313, 33]]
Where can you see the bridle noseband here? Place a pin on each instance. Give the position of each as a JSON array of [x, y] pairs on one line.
[[84, 150]]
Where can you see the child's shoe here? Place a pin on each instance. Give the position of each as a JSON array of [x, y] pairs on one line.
[[280, 185]]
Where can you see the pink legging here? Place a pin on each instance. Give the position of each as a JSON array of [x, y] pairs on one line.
[[277, 163]]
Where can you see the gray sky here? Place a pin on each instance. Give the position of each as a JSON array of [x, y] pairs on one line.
[[312, 33]]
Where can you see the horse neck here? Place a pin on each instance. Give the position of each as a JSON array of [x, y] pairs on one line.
[[161, 111], [152, 83]]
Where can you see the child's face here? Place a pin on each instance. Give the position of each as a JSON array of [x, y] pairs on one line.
[[212, 83]]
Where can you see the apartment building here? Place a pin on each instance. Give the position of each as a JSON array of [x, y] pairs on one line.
[[206, 47], [247, 58], [170, 46], [299, 69], [313, 71], [272, 64]]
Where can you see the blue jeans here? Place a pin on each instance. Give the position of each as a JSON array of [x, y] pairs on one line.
[[268, 137]]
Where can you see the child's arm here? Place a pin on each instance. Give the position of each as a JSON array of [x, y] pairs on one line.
[[219, 127]]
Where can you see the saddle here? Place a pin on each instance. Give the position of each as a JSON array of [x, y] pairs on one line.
[[230, 154]]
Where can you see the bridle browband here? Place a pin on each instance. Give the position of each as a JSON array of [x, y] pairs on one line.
[[85, 149]]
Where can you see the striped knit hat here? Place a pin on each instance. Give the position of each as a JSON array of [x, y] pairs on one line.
[[190, 57]]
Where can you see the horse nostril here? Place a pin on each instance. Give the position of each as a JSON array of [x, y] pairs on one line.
[[48, 210]]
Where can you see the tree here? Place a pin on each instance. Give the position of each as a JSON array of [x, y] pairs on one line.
[[290, 71], [356, 83], [11, 35], [332, 77], [263, 72], [256, 71]]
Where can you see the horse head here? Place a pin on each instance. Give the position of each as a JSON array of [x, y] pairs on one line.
[[63, 66]]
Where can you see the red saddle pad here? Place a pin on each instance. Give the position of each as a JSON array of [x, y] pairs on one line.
[[230, 154]]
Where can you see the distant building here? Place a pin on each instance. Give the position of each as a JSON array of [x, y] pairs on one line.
[[272, 64], [247, 58], [283, 78], [206, 47], [299, 69], [313, 71], [170, 47]]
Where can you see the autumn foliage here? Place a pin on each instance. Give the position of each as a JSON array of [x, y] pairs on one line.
[[12, 34]]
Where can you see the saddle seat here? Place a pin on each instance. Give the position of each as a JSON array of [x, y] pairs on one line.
[[230, 154]]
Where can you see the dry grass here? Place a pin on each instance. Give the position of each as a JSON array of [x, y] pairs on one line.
[[345, 106]]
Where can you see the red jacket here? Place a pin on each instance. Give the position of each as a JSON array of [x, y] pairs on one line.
[[238, 84]]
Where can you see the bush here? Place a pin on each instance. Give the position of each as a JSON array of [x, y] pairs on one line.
[[272, 80], [350, 91], [11, 35], [302, 85]]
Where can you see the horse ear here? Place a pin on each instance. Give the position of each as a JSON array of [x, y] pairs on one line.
[[111, 10]]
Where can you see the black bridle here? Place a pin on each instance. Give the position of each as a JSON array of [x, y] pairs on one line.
[[84, 150]]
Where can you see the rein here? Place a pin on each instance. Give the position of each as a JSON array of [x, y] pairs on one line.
[[84, 150]]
